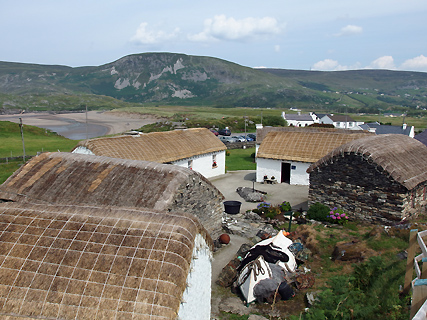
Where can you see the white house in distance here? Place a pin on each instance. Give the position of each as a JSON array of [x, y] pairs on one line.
[[197, 149], [378, 128], [286, 155], [340, 121], [300, 120]]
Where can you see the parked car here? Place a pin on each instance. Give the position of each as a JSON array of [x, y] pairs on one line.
[[224, 132], [214, 132], [252, 135], [239, 138], [227, 139], [248, 138]]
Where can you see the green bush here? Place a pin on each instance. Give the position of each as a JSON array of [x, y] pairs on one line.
[[371, 292], [318, 212], [285, 206]]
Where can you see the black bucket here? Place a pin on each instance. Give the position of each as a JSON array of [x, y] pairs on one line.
[[232, 207]]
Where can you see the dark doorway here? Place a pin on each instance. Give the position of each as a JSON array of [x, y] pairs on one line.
[[286, 173]]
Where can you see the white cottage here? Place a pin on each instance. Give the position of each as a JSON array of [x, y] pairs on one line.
[[286, 155], [341, 121], [300, 120], [197, 149]]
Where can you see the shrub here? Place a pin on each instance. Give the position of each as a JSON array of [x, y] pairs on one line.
[[371, 292], [285, 206], [263, 207], [318, 212]]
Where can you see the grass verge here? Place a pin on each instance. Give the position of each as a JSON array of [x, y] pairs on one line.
[[240, 159]]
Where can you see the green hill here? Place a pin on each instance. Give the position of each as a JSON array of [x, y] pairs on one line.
[[35, 140], [179, 79]]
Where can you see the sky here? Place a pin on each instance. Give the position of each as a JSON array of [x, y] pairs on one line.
[[326, 35]]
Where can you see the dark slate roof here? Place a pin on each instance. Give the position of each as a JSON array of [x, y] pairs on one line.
[[422, 137], [320, 115], [298, 117], [340, 118], [404, 158], [386, 129]]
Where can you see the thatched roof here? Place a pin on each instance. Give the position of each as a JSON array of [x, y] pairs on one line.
[[404, 158], [68, 178], [303, 146], [72, 262], [262, 133], [163, 147]]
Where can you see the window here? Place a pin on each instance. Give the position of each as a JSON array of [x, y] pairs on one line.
[[214, 163], [190, 164]]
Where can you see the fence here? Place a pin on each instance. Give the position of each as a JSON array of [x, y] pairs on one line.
[[419, 284], [18, 158]]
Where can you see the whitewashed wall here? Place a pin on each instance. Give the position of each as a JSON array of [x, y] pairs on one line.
[[299, 175], [271, 167], [196, 300], [267, 167], [203, 164]]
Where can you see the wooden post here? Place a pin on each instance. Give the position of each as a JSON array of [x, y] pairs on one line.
[[22, 137], [418, 296], [410, 261]]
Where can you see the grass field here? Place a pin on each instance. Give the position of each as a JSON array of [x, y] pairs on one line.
[[180, 113], [35, 140], [240, 159]]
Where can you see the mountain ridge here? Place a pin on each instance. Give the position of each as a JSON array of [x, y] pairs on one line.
[[176, 78]]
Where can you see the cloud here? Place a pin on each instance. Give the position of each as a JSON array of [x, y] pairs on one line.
[[222, 28], [416, 64], [385, 62], [145, 36], [277, 48], [327, 65], [349, 30]]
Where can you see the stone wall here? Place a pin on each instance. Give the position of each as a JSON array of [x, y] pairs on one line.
[[364, 190], [202, 199]]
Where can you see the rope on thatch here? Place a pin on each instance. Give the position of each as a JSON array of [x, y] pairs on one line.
[[90, 262]]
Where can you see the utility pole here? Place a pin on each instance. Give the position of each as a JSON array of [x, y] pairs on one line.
[[87, 136], [22, 137]]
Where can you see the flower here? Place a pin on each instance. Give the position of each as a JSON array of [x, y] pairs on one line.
[[338, 216]]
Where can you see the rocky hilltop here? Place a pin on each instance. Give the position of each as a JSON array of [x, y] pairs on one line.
[[171, 78]]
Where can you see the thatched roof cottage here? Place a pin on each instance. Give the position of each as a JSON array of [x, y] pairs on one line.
[[286, 155], [78, 179], [87, 262], [380, 178], [197, 149]]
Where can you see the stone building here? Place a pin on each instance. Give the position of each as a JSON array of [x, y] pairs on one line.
[[379, 179], [197, 149], [78, 179]]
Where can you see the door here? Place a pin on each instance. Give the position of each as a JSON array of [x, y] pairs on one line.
[[286, 173]]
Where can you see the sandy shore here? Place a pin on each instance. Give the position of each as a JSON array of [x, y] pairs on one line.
[[73, 125]]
